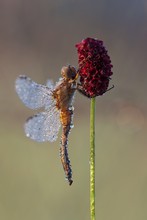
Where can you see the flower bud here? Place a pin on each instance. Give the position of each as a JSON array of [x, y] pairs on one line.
[[94, 67]]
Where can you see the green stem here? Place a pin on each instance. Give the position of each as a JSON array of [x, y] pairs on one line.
[[92, 159]]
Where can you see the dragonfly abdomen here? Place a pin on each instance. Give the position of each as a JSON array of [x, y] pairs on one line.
[[66, 120]]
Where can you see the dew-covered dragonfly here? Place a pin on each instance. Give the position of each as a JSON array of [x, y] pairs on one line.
[[57, 101]]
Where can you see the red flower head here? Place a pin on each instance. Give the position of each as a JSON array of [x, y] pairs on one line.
[[94, 67]]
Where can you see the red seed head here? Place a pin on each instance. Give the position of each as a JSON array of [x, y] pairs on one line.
[[94, 67]]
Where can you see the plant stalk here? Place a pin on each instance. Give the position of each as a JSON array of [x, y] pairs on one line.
[[92, 159]]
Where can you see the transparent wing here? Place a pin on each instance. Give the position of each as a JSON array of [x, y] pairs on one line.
[[43, 126], [50, 84], [33, 95]]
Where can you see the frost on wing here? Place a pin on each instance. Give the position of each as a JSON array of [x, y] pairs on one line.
[[33, 95], [43, 126], [50, 84]]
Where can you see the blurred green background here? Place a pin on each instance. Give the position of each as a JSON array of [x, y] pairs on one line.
[[37, 38]]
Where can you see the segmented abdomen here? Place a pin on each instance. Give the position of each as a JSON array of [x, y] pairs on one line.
[[66, 120]]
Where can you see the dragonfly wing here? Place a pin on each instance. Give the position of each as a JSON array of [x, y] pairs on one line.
[[33, 95], [50, 84], [43, 126]]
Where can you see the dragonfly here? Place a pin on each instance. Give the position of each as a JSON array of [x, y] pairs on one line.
[[57, 101]]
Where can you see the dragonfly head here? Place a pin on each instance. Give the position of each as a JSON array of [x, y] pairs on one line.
[[69, 73]]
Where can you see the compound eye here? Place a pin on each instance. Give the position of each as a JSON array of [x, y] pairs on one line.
[[69, 72]]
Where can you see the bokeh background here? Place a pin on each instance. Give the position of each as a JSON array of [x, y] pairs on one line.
[[37, 38]]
